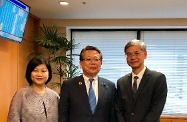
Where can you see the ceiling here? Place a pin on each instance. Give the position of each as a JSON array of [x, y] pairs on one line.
[[108, 9]]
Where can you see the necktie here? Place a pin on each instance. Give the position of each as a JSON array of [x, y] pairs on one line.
[[134, 87], [92, 97]]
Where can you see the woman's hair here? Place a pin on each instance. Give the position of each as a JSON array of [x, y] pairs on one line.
[[33, 63], [81, 58]]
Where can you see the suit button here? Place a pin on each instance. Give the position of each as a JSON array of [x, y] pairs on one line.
[[132, 114]]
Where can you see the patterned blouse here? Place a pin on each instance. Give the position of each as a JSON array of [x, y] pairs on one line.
[[29, 106]]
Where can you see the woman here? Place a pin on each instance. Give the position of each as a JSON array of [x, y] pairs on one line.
[[36, 102]]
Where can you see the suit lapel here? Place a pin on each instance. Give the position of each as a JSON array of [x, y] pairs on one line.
[[130, 92], [101, 91], [142, 83], [82, 90]]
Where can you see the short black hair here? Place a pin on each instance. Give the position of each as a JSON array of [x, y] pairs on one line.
[[81, 57], [33, 63]]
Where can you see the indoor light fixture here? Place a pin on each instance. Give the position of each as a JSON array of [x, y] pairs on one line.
[[63, 3]]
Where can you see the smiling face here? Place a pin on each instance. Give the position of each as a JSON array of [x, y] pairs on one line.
[[39, 75], [91, 63], [135, 58]]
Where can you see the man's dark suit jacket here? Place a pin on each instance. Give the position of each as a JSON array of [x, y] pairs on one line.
[[74, 104], [149, 101]]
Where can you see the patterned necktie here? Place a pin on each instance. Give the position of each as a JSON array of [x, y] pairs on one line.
[[92, 97], [134, 87]]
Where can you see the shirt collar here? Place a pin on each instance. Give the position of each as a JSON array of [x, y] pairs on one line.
[[87, 79], [140, 75]]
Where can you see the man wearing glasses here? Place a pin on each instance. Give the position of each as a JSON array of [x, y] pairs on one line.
[[87, 98], [141, 94]]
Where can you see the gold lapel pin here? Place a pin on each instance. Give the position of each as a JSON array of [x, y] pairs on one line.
[[80, 83]]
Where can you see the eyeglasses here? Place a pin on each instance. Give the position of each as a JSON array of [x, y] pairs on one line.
[[136, 54], [92, 59]]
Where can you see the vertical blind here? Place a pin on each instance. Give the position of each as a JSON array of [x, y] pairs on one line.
[[167, 53]]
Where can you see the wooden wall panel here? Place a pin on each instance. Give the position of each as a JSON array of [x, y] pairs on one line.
[[165, 120], [26, 48], [8, 75], [13, 61], [172, 118], [179, 120]]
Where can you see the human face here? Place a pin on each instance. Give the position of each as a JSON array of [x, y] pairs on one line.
[[91, 64], [39, 75], [135, 57]]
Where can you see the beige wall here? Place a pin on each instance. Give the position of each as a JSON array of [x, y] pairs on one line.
[[117, 22]]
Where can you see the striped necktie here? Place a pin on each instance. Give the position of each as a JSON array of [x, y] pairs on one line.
[[134, 87], [92, 97]]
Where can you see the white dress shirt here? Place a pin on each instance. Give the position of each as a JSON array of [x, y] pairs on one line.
[[140, 75], [94, 85]]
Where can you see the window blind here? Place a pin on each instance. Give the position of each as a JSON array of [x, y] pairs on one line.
[[167, 53], [111, 45]]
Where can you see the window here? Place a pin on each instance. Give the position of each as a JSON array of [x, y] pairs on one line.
[[111, 45], [167, 53]]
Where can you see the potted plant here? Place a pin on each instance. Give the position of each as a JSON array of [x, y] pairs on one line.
[[55, 46]]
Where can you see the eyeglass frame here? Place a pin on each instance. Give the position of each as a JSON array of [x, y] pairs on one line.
[[136, 54], [91, 59]]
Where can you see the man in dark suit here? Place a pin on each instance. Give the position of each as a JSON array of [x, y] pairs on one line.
[[75, 105], [141, 95]]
